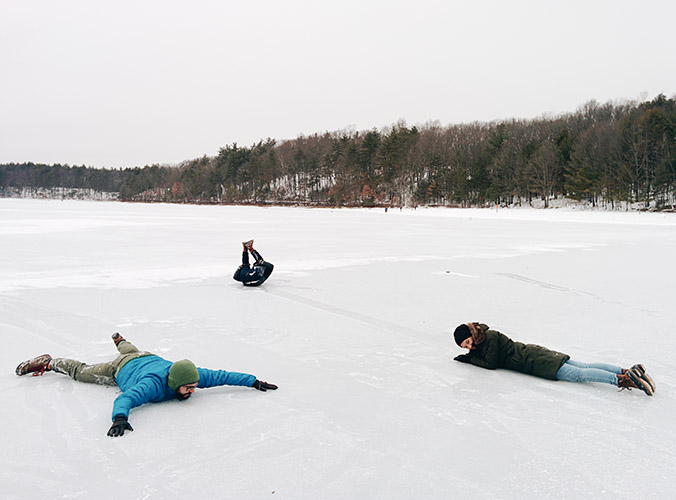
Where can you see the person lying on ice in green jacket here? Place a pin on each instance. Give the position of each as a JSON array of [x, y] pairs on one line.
[[142, 377], [491, 349]]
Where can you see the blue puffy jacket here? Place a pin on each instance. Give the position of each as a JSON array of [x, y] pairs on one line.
[[144, 380]]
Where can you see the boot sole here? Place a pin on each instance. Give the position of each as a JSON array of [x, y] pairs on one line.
[[634, 376], [640, 370]]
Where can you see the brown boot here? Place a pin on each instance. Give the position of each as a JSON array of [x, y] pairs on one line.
[[635, 376], [36, 366], [639, 369], [623, 382], [117, 338], [630, 381]]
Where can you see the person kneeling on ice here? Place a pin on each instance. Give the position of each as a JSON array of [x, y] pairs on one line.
[[256, 275], [491, 349], [142, 377]]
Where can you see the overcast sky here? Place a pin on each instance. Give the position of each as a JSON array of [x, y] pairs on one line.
[[129, 83]]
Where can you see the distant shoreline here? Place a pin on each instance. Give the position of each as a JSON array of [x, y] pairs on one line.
[[565, 204]]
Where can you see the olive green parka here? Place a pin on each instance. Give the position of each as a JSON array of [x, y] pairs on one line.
[[496, 350]]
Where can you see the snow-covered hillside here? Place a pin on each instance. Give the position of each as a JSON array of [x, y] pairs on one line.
[[355, 327]]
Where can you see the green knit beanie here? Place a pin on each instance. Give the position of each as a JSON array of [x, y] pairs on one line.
[[181, 373]]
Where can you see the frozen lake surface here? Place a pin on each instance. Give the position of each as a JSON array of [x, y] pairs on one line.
[[355, 326]]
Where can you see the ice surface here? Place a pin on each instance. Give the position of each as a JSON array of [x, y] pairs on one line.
[[355, 327]]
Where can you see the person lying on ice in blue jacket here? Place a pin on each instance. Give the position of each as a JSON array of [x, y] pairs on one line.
[[142, 377]]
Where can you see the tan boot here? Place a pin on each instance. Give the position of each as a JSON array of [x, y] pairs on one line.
[[640, 373], [635, 376], [623, 381], [639, 369], [631, 380]]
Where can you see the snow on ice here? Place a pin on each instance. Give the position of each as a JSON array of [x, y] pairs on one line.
[[355, 327]]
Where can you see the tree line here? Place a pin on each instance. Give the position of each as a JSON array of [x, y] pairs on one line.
[[601, 153], [35, 175]]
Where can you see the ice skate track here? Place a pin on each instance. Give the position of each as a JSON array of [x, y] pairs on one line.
[[550, 286], [386, 326]]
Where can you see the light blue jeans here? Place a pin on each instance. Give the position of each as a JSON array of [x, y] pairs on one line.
[[574, 371]]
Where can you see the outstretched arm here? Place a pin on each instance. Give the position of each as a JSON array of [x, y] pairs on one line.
[[141, 393], [214, 378], [137, 395]]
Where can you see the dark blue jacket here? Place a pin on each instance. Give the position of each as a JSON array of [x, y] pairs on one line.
[[144, 380], [254, 275]]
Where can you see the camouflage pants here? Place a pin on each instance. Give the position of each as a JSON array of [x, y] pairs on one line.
[[101, 373]]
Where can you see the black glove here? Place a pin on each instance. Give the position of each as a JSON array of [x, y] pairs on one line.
[[263, 386], [463, 358], [120, 425]]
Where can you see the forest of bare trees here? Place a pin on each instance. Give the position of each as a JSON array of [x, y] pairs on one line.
[[602, 154]]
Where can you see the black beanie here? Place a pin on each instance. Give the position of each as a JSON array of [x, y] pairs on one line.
[[461, 333]]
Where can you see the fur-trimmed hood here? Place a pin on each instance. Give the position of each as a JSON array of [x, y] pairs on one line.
[[478, 331]]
